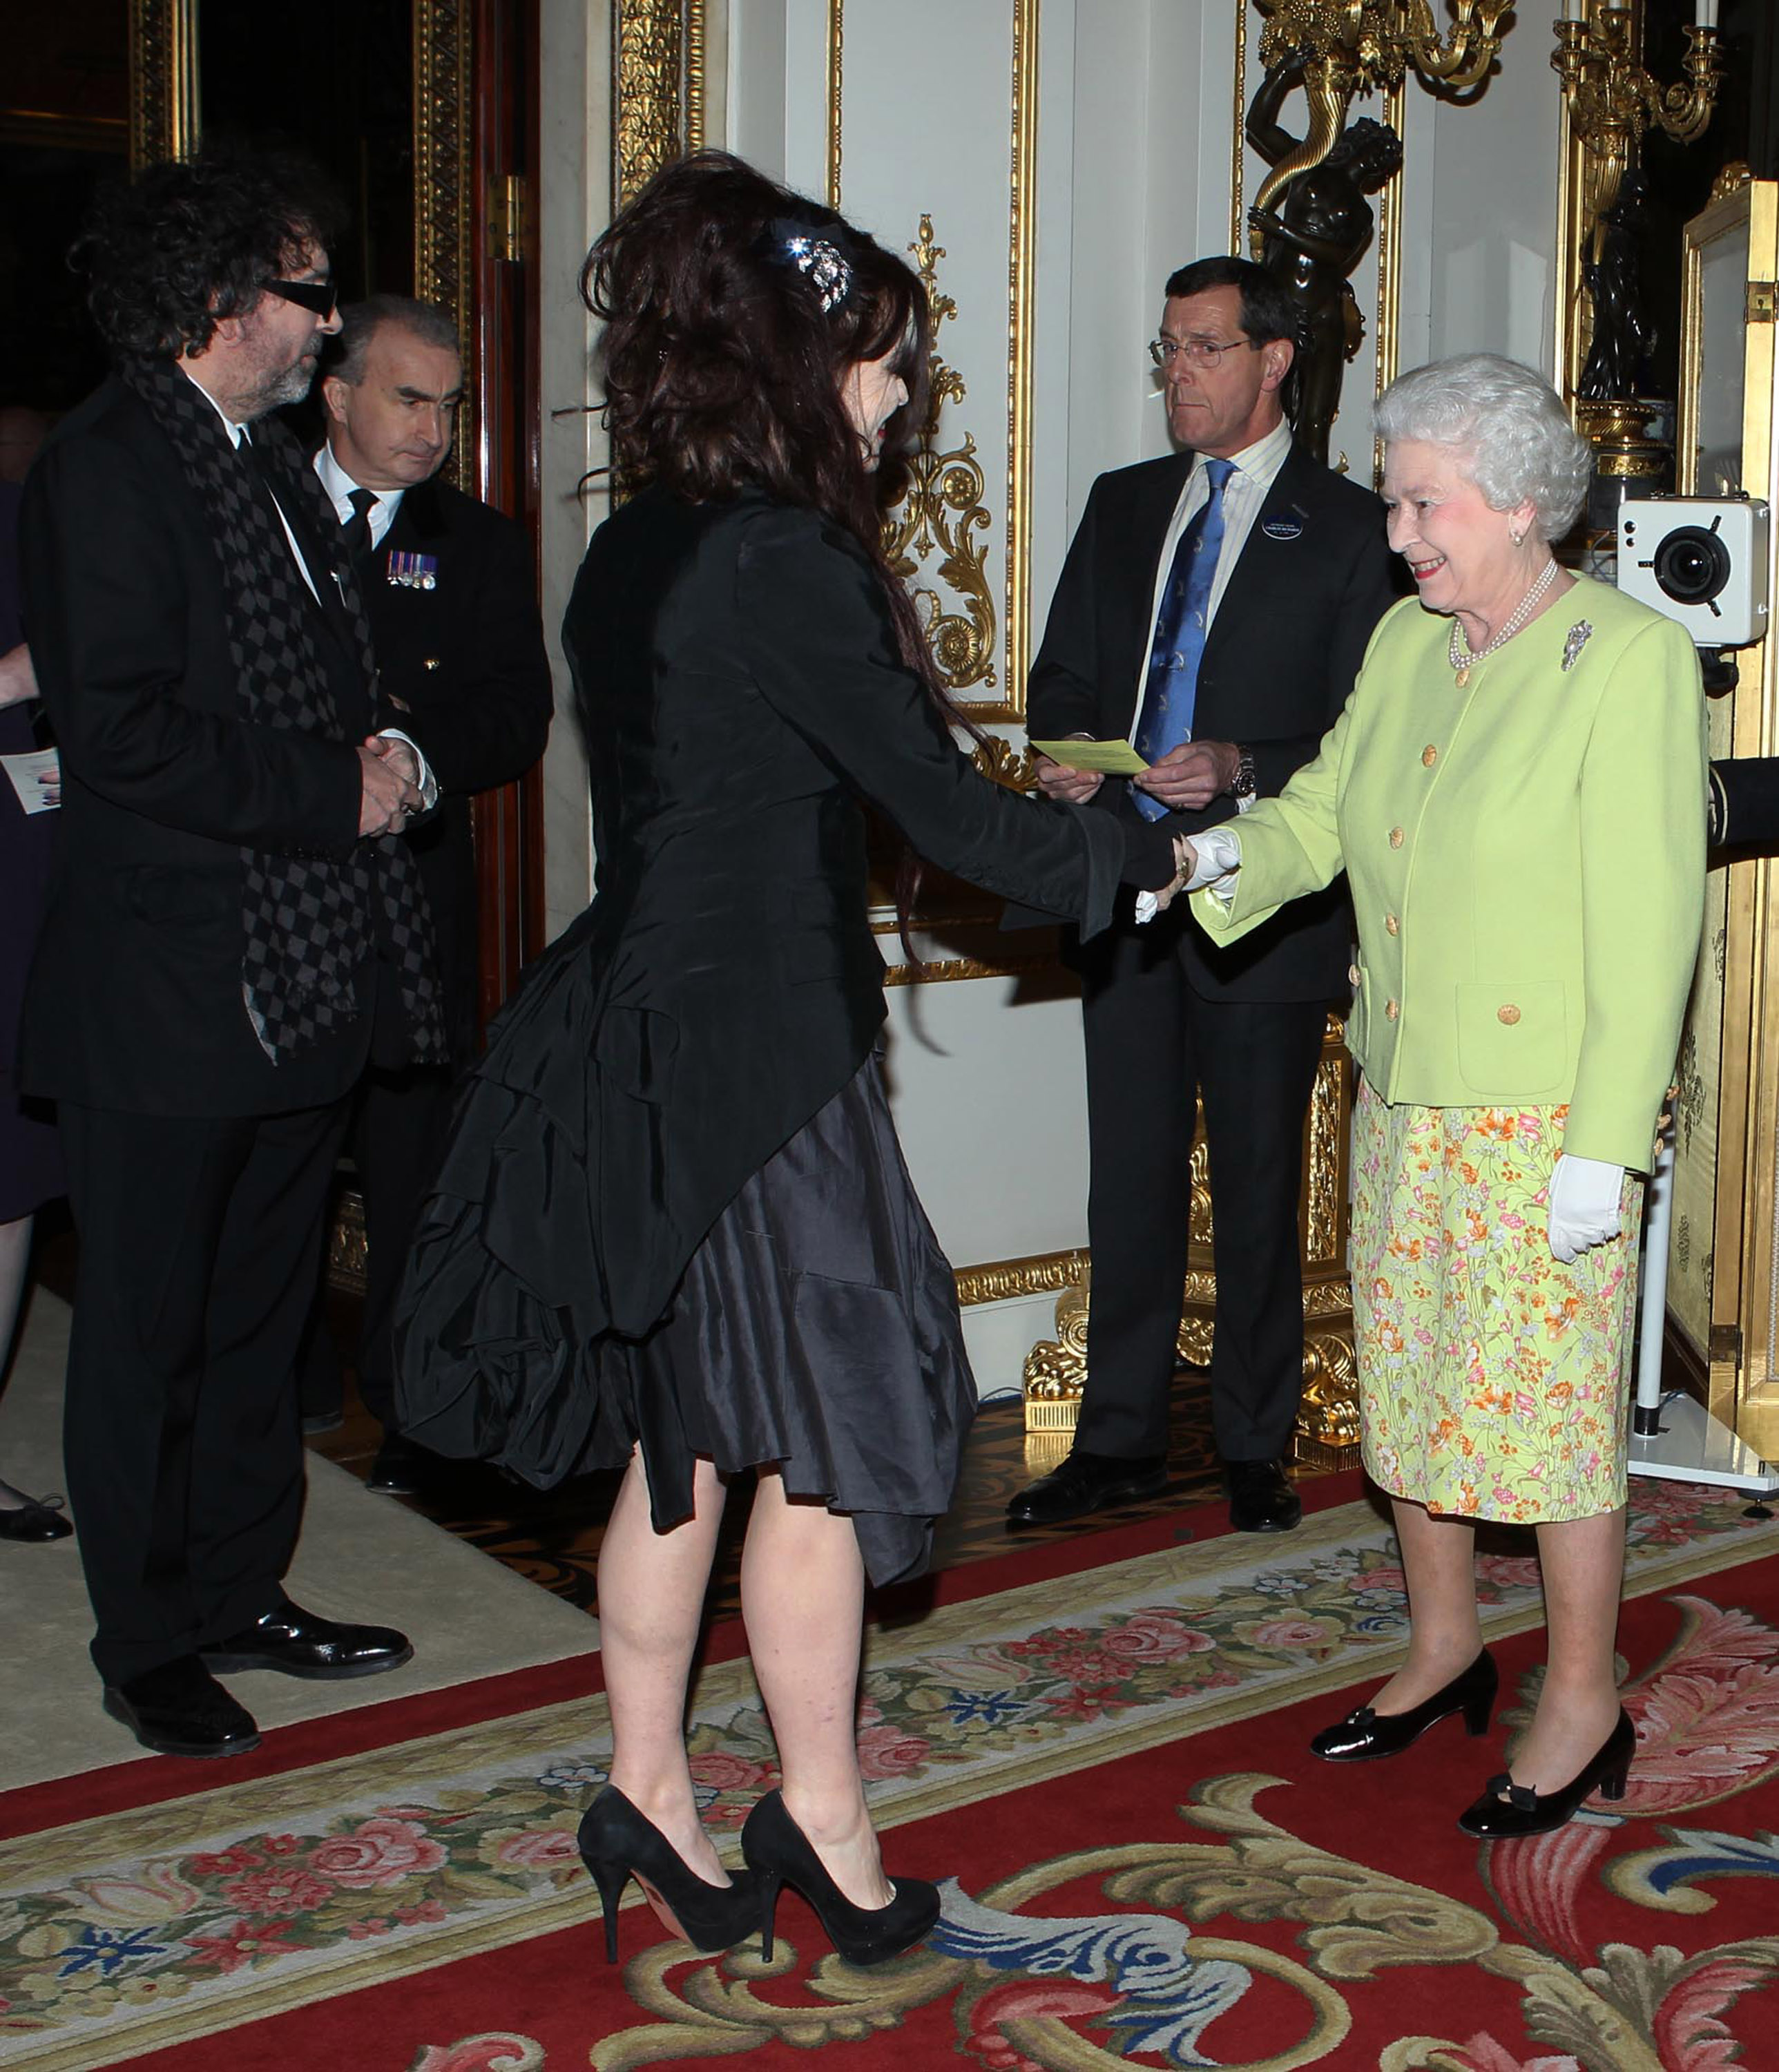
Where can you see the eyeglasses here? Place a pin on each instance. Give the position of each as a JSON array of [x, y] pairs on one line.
[[1197, 352], [319, 296]]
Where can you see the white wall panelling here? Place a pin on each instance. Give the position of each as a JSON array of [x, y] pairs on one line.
[[1138, 120]]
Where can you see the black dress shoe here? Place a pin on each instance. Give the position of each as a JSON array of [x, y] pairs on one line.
[[1506, 1809], [1086, 1482], [1364, 1736], [179, 1708], [1260, 1498], [304, 1644], [400, 1468], [34, 1521]]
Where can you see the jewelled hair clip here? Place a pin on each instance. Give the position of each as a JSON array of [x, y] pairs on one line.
[[820, 262]]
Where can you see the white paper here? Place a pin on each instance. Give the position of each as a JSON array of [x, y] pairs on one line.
[[36, 777]]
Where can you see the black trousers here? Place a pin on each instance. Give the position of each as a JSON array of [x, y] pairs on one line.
[[396, 1133], [1152, 1044], [199, 1240]]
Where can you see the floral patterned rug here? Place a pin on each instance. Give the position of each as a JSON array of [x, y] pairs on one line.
[[387, 1896]]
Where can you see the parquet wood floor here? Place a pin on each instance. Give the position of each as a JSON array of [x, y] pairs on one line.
[[552, 1536]]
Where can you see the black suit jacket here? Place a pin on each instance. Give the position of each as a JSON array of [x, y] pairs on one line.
[[461, 668], [1314, 577], [135, 997]]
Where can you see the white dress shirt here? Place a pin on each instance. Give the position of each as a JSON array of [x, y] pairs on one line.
[[340, 486]]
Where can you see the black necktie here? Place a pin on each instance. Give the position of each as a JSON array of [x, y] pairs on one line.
[[356, 531]]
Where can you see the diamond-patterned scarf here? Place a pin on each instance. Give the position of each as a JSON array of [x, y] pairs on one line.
[[308, 919]]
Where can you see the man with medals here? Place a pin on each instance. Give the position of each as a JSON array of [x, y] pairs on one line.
[[449, 586]]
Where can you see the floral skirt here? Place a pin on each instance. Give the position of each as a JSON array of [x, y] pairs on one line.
[[1494, 1382]]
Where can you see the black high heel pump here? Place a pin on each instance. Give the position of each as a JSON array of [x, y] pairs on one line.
[[1506, 1809], [617, 1842], [1365, 1736], [780, 1853]]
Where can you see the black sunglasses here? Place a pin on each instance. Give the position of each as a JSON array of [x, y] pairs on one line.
[[317, 295]]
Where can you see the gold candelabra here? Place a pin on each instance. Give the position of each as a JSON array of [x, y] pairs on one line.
[[1351, 46], [1612, 99]]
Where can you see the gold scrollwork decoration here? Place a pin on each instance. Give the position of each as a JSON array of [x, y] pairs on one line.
[[943, 507], [999, 1281], [1002, 764], [1202, 1224], [1734, 176], [1322, 1218], [940, 970]]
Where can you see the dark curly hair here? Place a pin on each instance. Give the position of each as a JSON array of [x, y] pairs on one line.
[[169, 253], [723, 358]]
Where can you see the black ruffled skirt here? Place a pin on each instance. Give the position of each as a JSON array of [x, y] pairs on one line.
[[816, 1327]]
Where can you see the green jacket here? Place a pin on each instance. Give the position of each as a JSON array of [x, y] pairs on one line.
[[1527, 858]]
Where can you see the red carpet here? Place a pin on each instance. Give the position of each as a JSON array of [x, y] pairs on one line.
[[1156, 1872]]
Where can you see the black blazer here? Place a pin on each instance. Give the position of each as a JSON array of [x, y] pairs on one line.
[[742, 694], [461, 668], [134, 1000], [1314, 577]]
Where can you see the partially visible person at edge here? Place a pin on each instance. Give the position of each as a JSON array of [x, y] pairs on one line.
[[1514, 792], [31, 1166], [673, 1228]]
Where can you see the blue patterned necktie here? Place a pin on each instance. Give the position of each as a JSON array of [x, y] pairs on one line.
[[1180, 627]]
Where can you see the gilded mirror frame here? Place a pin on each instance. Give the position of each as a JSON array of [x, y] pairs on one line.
[[165, 72], [1738, 989]]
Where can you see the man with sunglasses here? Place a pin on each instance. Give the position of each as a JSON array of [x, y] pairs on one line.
[[234, 928], [1212, 611]]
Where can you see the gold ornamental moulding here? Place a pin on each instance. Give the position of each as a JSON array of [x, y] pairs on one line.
[[943, 507], [165, 123], [658, 89], [1021, 303]]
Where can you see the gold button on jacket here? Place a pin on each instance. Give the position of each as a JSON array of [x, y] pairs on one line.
[[1508, 1013], [1430, 755]]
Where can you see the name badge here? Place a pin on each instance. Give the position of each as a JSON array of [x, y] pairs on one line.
[[1281, 528], [413, 571]]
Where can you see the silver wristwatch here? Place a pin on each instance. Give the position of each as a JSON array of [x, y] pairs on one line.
[[1241, 783]]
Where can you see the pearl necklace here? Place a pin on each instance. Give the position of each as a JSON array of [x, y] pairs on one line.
[[1462, 660]]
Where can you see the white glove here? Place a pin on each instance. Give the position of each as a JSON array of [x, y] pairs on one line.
[[1219, 852], [1583, 1204]]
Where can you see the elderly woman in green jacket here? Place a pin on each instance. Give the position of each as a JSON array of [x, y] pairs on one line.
[[1515, 791]]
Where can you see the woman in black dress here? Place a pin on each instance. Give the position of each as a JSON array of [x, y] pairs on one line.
[[673, 1226]]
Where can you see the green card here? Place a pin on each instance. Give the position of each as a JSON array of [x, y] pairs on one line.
[[1111, 759]]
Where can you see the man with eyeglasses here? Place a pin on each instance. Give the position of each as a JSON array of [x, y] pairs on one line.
[[1212, 612], [234, 927], [461, 666]]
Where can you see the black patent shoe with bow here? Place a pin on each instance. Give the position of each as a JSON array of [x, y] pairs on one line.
[[1365, 1736], [1506, 1809]]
